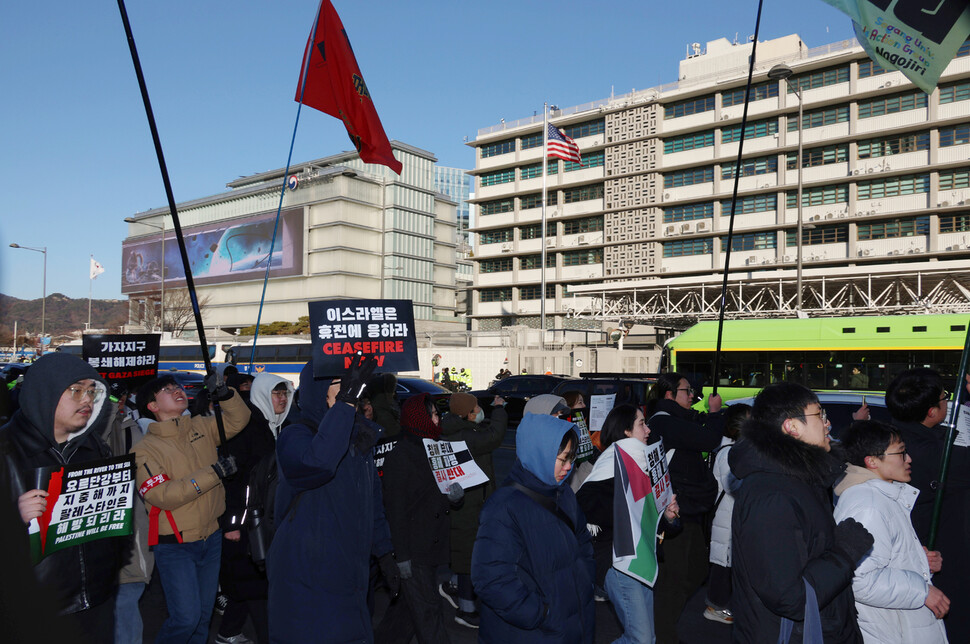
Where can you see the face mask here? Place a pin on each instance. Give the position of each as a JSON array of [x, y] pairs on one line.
[[480, 416]]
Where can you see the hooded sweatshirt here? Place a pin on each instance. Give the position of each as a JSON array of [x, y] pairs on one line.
[[261, 397], [85, 575]]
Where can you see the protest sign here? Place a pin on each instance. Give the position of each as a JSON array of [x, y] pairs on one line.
[[663, 493], [451, 462], [584, 451], [133, 358], [600, 406], [383, 329], [85, 502]]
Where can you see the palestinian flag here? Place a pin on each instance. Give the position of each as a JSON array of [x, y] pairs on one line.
[[635, 517]]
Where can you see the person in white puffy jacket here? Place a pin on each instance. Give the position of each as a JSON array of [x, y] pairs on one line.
[[719, 584], [894, 592]]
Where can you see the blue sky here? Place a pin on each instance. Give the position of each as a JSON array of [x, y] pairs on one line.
[[76, 155]]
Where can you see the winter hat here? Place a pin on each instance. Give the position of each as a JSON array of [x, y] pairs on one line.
[[415, 418], [462, 404], [545, 404]]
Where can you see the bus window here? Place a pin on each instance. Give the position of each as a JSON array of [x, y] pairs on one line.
[[287, 352]]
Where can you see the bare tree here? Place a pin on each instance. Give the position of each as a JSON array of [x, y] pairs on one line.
[[178, 311]]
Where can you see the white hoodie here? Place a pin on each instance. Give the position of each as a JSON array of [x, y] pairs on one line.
[[261, 396]]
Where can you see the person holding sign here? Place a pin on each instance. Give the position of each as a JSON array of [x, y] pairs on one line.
[[418, 514], [532, 565], [624, 428], [63, 411], [180, 476], [329, 515]]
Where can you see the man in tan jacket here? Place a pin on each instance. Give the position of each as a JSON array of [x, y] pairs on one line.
[[179, 475]]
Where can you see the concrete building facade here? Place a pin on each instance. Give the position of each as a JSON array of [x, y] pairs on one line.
[[638, 233], [348, 230]]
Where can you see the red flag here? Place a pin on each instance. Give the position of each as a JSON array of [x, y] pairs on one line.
[[335, 86]]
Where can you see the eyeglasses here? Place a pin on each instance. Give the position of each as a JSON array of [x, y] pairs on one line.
[[171, 390], [902, 453], [945, 396], [689, 390], [822, 416], [80, 393], [283, 393]]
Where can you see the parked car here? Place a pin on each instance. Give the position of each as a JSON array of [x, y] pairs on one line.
[[517, 390], [628, 387], [840, 405], [407, 387]]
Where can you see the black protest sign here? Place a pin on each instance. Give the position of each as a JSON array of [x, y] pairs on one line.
[[382, 329], [123, 357]]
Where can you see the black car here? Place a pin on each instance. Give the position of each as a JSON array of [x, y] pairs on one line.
[[628, 387], [517, 390], [407, 387]]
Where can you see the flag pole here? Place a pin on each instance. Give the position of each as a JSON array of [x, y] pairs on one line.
[[734, 203], [286, 174], [542, 233], [163, 168], [90, 288]]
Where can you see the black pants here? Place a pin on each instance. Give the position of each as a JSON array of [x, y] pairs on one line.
[[682, 572], [234, 619], [416, 611], [96, 624], [719, 588]]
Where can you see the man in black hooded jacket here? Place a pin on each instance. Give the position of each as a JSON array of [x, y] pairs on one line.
[[63, 411], [782, 527]]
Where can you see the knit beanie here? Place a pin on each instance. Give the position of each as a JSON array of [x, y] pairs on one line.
[[462, 404], [416, 420]]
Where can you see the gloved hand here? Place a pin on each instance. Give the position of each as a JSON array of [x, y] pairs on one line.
[[352, 382], [852, 540], [225, 466], [404, 567], [216, 386], [455, 493], [391, 573]]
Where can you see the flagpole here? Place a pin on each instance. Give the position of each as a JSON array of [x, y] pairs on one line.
[[542, 232], [90, 289], [170, 196]]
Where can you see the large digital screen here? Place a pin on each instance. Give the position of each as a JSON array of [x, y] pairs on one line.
[[220, 252]]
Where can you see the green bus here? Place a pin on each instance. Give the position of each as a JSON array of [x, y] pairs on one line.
[[825, 354]]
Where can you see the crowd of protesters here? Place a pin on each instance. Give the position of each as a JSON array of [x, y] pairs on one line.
[[271, 497]]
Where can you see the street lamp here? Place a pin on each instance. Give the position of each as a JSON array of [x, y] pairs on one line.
[[782, 71], [43, 302], [132, 220]]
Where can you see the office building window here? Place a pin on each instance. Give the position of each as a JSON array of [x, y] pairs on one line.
[[822, 78], [892, 228], [527, 262], [758, 92], [957, 135], [534, 170], [869, 68], [495, 265], [591, 160], [495, 236], [584, 225], [818, 156], [690, 106], [754, 203], [581, 257], [689, 177], [818, 118], [753, 130], [497, 177], [497, 148], [688, 212], [533, 292], [533, 201], [964, 49], [819, 196], [752, 241], [689, 142], [891, 104], [495, 294], [955, 92], [531, 141], [819, 235], [687, 247], [887, 146], [495, 207], [582, 193], [955, 223], [533, 231], [589, 128], [751, 167], [953, 179], [906, 185]]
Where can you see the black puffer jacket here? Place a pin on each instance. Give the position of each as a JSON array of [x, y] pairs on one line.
[[782, 530], [85, 575], [689, 433]]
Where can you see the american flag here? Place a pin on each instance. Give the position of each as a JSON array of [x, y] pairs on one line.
[[561, 146]]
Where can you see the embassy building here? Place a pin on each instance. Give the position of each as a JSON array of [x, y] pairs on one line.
[[638, 233]]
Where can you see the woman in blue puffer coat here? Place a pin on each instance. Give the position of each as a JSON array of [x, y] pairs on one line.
[[532, 565]]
